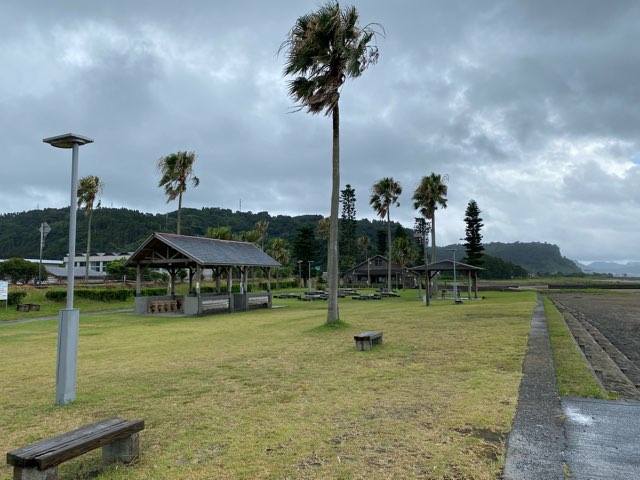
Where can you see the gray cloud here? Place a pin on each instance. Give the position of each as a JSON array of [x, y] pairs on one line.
[[530, 107]]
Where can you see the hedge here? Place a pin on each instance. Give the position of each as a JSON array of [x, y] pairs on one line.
[[104, 294]]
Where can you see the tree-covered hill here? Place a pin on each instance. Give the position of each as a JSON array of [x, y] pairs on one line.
[[536, 257], [123, 230]]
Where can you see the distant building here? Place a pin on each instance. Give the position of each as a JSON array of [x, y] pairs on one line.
[[60, 274], [374, 272], [97, 261]]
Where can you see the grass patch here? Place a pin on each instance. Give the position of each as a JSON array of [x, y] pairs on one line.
[[574, 377], [264, 395], [330, 327]]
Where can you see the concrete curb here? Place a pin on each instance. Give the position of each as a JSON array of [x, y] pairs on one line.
[[537, 442]]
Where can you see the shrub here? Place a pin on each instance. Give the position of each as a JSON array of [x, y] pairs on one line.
[[14, 298]]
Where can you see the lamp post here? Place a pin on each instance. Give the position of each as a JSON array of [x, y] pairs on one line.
[[455, 284], [44, 231], [69, 319], [299, 272]]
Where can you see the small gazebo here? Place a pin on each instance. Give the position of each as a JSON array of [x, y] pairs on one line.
[[175, 252], [448, 266]]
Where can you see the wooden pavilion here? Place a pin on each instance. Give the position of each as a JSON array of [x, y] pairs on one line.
[[462, 269], [175, 252]]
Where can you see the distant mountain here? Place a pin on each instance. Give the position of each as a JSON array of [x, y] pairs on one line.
[[630, 269], [536, 257]]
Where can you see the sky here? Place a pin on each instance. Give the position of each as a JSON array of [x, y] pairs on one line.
[[529, 107]]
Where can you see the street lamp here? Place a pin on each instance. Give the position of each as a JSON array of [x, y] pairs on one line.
[[44, 231], [69, 319], [455, 284]]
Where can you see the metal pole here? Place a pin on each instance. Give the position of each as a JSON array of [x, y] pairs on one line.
[[41, 248], [455, 283], [309, 279], [426, 285], [368, 273], [72, 225]]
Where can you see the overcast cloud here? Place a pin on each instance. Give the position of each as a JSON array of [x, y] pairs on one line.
[[530, 107]]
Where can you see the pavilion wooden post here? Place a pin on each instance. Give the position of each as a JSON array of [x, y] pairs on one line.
[[469, 285], [475, 284], [198, 278], [138, 280], [269, 280], [217, 272], [190, 278], [229, 280], [428, 285]]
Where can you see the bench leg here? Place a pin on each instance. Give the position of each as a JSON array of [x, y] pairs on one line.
[[126, 450], [362, 345], [20, 473]]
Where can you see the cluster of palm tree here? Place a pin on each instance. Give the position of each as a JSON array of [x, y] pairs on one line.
[[176, 172], [429, 195]]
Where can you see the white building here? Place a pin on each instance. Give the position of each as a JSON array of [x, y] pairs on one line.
[[97, 261]]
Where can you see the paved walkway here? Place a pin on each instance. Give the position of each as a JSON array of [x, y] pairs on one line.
[[598, 439]]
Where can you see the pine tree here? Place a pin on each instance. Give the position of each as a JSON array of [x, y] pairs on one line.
[[473, 239], [348, 228]]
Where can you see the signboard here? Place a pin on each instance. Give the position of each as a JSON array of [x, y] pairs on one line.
[[4, 290]]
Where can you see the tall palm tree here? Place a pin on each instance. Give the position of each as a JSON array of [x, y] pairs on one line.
[[278, 248], [322, 50], [384, 194], [430, 194], [176, 172], [89, 189], [261, 227]]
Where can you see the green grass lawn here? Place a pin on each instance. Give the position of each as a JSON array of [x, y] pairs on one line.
[[574, 378], [272, 394]]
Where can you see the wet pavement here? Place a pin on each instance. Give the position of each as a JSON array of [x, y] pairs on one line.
[[603, 440], [569, 438]]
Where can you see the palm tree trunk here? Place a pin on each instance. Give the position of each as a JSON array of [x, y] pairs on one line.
[[179, 209], [333, 315], [389, 248], [86, 262]]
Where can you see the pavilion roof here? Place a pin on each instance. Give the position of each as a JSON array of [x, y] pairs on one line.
[[444, 265], [166, 249]]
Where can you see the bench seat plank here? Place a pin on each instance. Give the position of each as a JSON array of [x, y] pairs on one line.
[[367, 335], [54, 451]]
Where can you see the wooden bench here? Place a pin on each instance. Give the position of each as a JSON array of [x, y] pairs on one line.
[[366, 340], [39, 461], [27, 307]]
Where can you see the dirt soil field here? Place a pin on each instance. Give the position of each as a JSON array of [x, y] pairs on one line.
[[607, 329]]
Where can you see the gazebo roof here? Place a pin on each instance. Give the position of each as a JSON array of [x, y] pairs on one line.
[[444, 265], [166, 249]]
